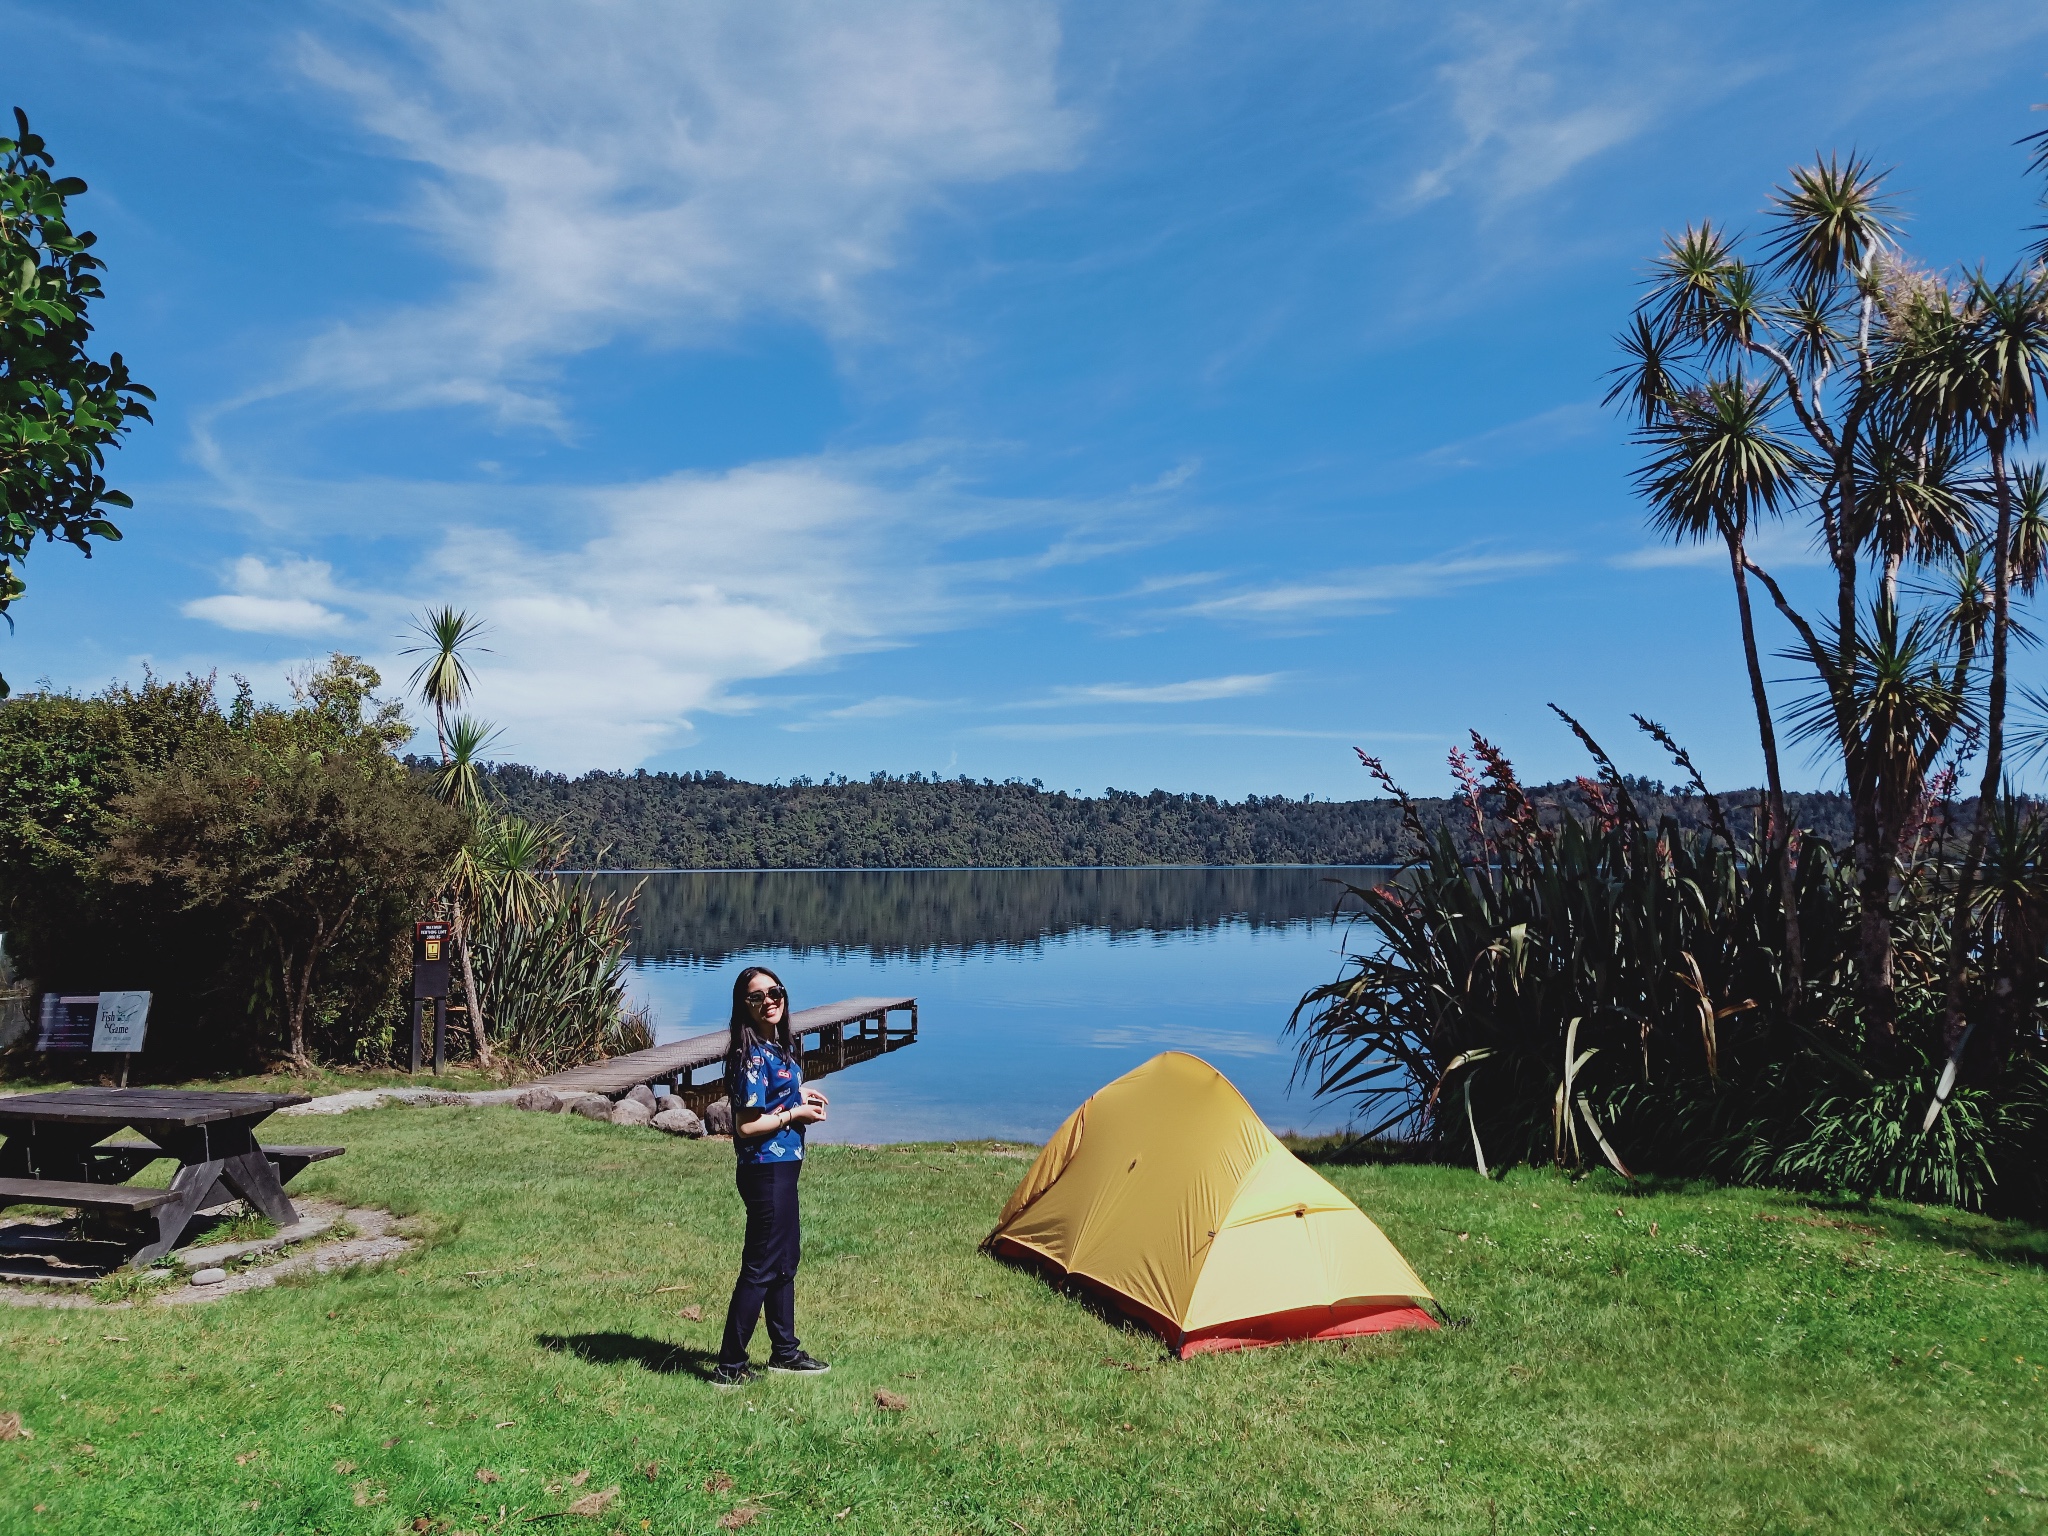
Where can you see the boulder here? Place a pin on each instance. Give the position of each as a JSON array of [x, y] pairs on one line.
[[644, 1095], [209, 1277], [631, 1112], [678, 1120], [543, 1100], [591, 1106], [718, 1117]]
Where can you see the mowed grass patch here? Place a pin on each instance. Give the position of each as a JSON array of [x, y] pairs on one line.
[[1667, 1359]]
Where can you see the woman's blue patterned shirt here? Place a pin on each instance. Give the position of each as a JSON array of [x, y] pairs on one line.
[[774, 1082]]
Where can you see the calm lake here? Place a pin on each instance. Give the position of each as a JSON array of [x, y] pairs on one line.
[[1034, 987]]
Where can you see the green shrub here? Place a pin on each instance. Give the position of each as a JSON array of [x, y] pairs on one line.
[[1871, 1144], [255, 868]]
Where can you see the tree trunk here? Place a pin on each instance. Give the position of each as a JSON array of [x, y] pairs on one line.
[[1953, 1026], [1778, 831], [296, 987], [469, 991], [1876, 992]]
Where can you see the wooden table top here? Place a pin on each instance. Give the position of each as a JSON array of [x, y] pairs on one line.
[[132, 1106]]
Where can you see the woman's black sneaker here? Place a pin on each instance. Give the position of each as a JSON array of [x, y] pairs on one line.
[[734, 1375], [799, 1364]]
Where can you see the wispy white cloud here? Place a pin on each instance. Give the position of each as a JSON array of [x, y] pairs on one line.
[[659, 169], [1172, 480], [1936, 52], [673, 592], [1534, 95], [290, 598], [1774, 546], [888, 706], [1517, 440], [1083, 730], [1197, 690], [1372, 589]]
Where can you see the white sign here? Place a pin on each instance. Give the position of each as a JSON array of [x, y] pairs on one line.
[[120, 1022]]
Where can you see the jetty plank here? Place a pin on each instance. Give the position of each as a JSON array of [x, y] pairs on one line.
[[622, 1074]]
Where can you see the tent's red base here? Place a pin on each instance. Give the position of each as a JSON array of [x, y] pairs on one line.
[[1306, 1323], [1341, 1322]]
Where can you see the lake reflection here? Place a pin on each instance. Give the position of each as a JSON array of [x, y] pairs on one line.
[[1035, 987]]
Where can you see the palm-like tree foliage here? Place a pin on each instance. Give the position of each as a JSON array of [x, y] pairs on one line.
[[442, 679], [2038, 163], [1893, 398], [1716, 462], [1685, 282], [1917, 502], [1718, 459], [2029, 528], [1831, 224], [1905, 699], [459, 781], [1983, 360]]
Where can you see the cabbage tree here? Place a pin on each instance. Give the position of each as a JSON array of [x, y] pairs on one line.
[[1814, 369]]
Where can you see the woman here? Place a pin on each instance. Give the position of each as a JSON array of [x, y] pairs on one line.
[[764, 1073]]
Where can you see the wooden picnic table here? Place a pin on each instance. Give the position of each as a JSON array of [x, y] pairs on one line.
[[52, 1155]]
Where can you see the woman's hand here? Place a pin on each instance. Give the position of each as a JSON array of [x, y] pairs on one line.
[[810, 1112], [815, 1096], [768, 1122]]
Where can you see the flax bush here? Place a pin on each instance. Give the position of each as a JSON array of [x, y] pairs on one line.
[[550, 951], [1582, 985]]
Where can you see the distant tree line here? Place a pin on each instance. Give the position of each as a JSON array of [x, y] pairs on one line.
[[703, 820]]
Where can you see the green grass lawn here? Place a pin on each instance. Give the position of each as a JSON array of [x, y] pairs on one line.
[[1669, 1360]]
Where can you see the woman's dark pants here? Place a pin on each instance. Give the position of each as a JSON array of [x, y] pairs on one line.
[[767, 1263]]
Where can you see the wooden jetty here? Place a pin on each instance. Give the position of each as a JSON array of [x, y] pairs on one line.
[[854, 1029]]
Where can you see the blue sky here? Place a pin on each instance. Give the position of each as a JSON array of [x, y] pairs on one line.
[[1134, 395]]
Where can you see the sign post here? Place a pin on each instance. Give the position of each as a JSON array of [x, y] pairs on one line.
[[104, 1023], [430, 984], [118, 1026], [66, 1023]]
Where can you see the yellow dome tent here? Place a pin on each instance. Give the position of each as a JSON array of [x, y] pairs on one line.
[[1165, 1194]]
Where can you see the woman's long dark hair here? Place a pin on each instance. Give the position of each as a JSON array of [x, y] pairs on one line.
[[744, 1036]]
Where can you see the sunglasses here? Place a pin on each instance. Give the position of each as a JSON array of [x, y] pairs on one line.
[[772, 995]]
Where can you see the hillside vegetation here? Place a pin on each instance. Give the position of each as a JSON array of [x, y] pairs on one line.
[[647, 820]]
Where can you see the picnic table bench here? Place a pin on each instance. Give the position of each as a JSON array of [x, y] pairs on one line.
[[56, 1153]]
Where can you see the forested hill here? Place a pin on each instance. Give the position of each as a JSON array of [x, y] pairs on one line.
[[708, 821]]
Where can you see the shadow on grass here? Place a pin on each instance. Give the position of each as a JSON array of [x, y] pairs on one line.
[[631, 1349], [2008, 1240], [1342, 1150], [1082, 1293]]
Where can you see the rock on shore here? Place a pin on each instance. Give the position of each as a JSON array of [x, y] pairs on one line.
[[678, 1120], [642, 1106]]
